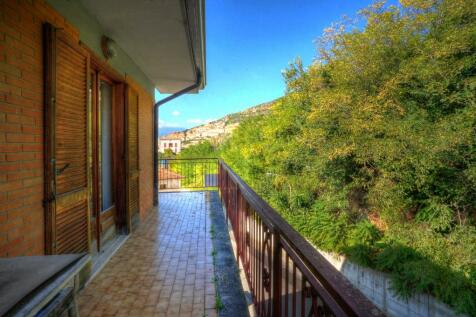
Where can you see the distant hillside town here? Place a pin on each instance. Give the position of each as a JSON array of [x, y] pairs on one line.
[[214, 131]]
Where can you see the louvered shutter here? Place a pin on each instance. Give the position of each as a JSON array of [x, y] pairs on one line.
[[67, 69], [132, 155]]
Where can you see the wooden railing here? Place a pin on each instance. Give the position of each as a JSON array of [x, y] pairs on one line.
[[287, 276]]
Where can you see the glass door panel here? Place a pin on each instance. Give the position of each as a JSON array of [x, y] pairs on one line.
[[105, 101]]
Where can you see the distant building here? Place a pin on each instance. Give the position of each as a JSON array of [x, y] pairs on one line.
[[173, 144], [169, 179]]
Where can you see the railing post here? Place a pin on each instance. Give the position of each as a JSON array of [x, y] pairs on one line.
[[227, 205], [237, 222], [277, 270], [235, 209], [219, 176]]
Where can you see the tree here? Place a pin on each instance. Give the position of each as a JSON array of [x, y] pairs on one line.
[[167, 154], [371, 152]]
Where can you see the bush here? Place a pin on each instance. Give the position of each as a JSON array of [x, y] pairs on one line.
[[383, 123]]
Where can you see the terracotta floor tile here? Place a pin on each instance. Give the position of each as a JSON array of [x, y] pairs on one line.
[[164, 269]]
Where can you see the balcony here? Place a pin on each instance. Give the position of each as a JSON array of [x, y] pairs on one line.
[[180, 261], [165, 267]]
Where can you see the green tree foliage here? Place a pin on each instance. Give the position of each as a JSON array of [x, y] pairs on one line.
[[204, 149], [167, 154], [194, 169], [372, 151]]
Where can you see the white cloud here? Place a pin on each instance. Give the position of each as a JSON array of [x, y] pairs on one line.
[[176, 113], [166, 124], [199, 121]]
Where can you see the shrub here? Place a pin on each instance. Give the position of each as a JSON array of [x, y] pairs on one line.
[[382, 123]]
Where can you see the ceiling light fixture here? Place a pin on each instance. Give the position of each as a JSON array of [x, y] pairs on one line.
[[108, 47]]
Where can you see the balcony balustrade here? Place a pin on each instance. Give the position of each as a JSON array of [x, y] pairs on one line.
[[286, 275]]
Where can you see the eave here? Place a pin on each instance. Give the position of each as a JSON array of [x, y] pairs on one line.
[[166, 39]]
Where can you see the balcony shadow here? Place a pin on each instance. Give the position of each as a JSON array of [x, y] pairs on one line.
[[227, 279]]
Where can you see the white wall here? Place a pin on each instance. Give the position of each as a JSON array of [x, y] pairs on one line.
[[170, 184], [165, 144]]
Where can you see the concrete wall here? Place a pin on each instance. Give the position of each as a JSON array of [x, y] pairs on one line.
[[170, 184], [377, 287]]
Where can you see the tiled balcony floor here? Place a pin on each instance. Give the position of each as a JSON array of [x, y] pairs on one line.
[[164, 269]]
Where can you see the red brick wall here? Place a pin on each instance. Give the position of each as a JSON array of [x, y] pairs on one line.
[[146, 182], [21, 126], [21, 121]]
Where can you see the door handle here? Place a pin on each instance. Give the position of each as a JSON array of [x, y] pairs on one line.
[[52, 194], [61, 170]]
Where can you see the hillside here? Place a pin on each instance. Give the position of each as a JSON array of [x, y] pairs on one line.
[[216, 131], [168, 130]]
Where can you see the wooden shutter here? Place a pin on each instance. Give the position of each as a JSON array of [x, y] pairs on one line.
[[132, 150], [66, 143]]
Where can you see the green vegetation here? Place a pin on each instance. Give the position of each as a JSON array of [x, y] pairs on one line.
[[194, 171], [218, 303], [238, 117], [372, 151], [203, 149], [212, 232], [167, 154]]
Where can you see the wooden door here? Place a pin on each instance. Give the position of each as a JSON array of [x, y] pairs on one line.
[[67, 176], [132, 160], [107, 197], [108, 219]]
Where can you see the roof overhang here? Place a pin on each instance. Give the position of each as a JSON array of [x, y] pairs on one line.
[[166, 39]]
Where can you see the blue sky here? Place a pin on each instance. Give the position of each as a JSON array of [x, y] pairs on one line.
[[249, 43]]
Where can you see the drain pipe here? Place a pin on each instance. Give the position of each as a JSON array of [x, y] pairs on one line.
[[159, 103]]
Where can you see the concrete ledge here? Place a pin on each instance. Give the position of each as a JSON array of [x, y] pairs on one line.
[[244, 281], [376, 286], [227, 278]]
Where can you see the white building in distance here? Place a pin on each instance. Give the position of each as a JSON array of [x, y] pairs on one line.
[[173, 144]]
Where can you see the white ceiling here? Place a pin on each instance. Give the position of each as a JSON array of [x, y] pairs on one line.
[[154, 34]]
